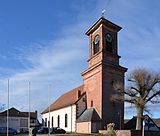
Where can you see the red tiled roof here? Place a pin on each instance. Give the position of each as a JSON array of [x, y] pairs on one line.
[[65, 100]]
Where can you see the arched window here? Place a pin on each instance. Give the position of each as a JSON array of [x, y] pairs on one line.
[[48, 123], [109, 42], [58, 121], [45, 122], [66, 120], [52, 122], [96, 44], [79, 93], [91, 103]]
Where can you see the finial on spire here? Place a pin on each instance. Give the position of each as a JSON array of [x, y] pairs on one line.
[[103, 12]]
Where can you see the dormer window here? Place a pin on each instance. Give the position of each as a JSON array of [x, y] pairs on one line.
[[96, 44]]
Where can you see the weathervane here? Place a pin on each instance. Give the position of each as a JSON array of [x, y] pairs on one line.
[[103, 12]]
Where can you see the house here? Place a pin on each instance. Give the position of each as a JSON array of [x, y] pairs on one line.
[[90, 107], [150, 124], [157, 121], [18, 120]]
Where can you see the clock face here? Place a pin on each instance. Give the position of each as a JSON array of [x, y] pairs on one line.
[[109, 38], [96, 39]]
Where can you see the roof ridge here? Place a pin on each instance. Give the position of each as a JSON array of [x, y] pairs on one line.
[[63, 100]]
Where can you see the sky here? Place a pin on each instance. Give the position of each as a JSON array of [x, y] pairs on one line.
[[43, 42]]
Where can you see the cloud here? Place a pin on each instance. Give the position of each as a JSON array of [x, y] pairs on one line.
[[60, 61], [53, 62]]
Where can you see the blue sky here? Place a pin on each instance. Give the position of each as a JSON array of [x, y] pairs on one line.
[[44, 42]]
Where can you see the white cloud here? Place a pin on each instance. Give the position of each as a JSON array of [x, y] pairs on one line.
[[60, 61], [56, 63]]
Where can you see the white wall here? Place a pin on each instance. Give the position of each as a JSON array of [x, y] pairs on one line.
[[70, 111]]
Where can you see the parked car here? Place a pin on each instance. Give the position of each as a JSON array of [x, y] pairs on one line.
[[43, 130], [3, 130], [34, 131], [56, 130]]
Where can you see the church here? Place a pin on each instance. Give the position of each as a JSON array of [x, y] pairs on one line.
[[89, 107]]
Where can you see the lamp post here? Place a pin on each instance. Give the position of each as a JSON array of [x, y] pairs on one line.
[[144, 122], [143, 127]]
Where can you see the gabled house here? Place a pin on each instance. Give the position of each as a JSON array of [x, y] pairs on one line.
[[18, 120], [150, 124]]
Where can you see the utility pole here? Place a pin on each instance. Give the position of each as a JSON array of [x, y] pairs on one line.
[[8, 109], [29, 108], [143, 127], [49, 93]]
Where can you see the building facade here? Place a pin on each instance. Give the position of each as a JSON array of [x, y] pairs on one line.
[[18, 120], [92, 101]]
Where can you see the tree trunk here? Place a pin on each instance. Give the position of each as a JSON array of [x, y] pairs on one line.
[[139, 118]]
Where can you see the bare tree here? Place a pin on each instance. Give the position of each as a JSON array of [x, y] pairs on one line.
[[143, 88], [2, 107]]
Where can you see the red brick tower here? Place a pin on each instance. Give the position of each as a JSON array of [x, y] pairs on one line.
[[103, 71]]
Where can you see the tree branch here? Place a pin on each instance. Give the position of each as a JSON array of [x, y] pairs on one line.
[[129, 101], [135, 89], [150, 88], [158, 92], [154, 102], [130, 93]]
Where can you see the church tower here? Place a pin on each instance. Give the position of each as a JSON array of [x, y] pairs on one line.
[[103, 71]]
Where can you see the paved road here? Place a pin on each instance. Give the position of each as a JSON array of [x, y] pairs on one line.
[[53, 135], [57, 135], [37, 135], [44, 135]]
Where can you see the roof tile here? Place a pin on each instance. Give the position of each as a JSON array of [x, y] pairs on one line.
[[65, 100]]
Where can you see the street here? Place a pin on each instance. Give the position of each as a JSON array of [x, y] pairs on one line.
[[67, 134]]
